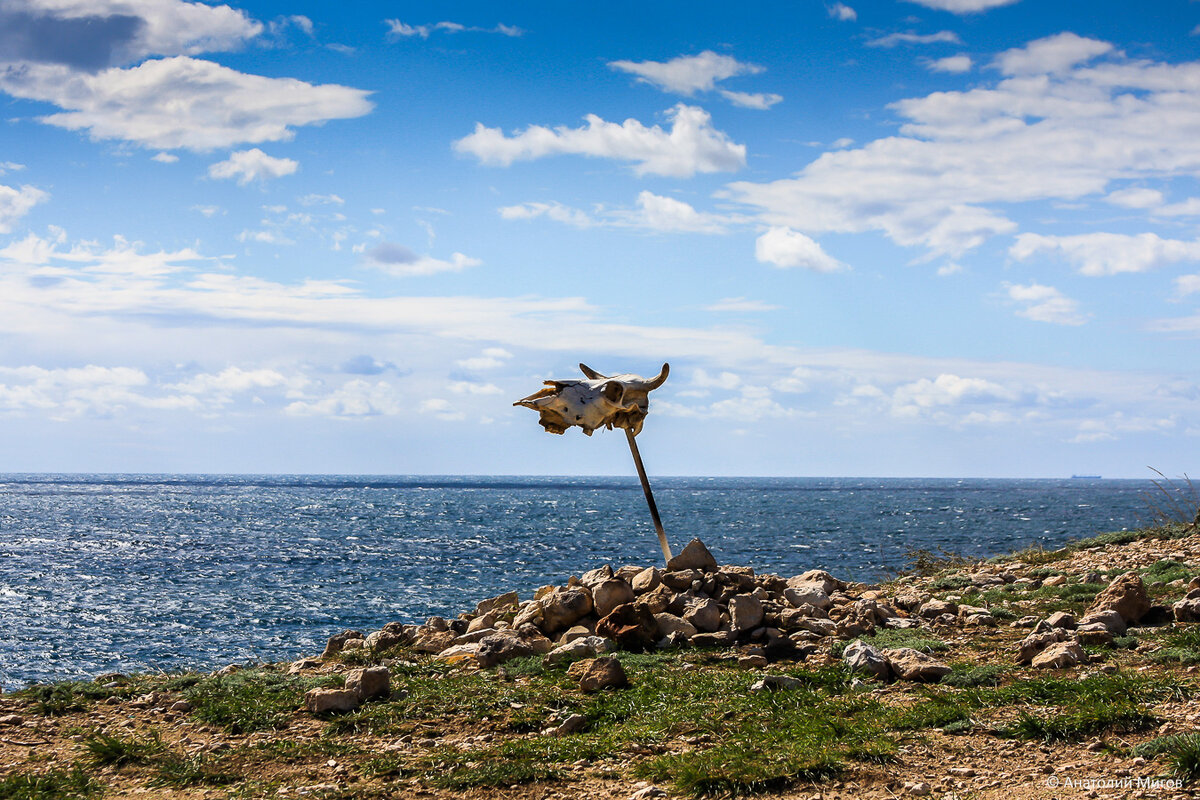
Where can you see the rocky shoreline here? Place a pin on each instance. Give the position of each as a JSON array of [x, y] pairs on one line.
[[1000, 678]]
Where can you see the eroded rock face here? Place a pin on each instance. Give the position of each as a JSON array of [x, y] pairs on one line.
[[1126, 595]]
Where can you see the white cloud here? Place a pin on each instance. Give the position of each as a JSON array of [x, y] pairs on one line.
[[759, 100], [321, 200], [1108, 253], [1045, 304], [221, 387], [182, 102], [16, 203], [785, 247], [1188, 208], [843, 12], [401, 30], [354, 399], [65, 393], [117, 31], [554, 211], [962, 159], [252, 165], [1136, 197], [952, 64], [473, 387], [1051, 55], [396, 259], [164, 158], [652, 212], [740, 305], [692, 145], [1187, 284], [963, 6], [893, 39], [687, 75]]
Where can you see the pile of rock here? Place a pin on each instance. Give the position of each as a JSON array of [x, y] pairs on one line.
[[695, 602], [692, 602]]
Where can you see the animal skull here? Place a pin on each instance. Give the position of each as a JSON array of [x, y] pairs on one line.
[[610, 400]]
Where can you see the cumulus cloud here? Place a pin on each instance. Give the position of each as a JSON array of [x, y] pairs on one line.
[[963, 6], [962, 158], [1045, 304], [785, 247], [1108, 253], [692, 145], [181, 102], [687, 75], [396, 259], [91, 390], [16, 203], [103, 33], [1136, 197], [252, 165], [1052, 55]]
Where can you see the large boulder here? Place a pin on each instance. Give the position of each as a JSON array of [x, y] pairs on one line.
[[913, 665], [338, 641], [631, 625], [1126, 595], [586, 647], [703, 614], [646, 580], [861, 657], [595, 674], [1060, 655], [330, 701], [369, 682], [693, 556], [500, 603], [817, 578], [501, 646], [561, 609], [745, 613], [670, 624], [609, 594]]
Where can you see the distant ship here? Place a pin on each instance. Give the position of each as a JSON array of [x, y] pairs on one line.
[[1085, 477]]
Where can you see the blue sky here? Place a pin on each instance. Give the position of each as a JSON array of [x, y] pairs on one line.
[[923, 238]]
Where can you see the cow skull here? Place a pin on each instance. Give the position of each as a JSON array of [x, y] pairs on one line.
[[600, 400]]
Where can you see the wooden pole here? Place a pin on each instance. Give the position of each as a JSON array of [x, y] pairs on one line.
[[658, 526]]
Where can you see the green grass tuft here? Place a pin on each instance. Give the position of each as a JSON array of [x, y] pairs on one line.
[[72, 784]]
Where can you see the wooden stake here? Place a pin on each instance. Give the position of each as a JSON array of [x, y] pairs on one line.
[[658, 526]]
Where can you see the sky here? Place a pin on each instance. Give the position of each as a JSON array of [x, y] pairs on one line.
[[893, 238]]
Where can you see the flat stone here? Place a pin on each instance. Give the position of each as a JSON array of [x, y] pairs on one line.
[[913, 665], [330, 701], [775, 683], [810, 595], [572, 724], [1061, 619], [669, 624], [816, 577], [1060, 655], [1111, 620], [504, 646], [586, 647]]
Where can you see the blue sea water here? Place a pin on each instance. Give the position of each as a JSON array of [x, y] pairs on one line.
[[102, 573]]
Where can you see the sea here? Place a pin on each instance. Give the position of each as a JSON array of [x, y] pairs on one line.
[[164, 573]]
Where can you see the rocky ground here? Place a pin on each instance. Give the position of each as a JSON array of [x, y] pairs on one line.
[[1044, 674]]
